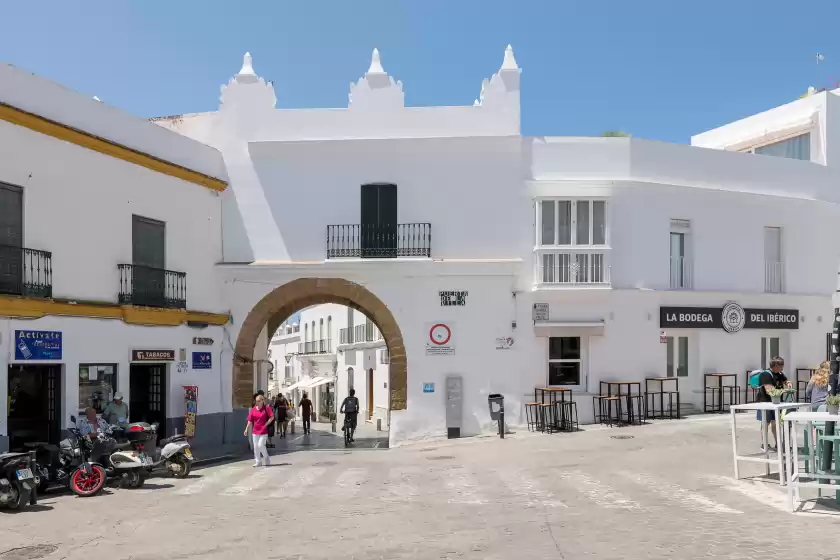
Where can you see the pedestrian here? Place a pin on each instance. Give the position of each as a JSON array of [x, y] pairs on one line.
[[817, 389], [259, 419], [768, 379], [305, 406], [281, 407], [116, 412]]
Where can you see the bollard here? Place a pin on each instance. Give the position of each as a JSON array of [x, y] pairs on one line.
[[379, 424], [502, 420], [293, 427]]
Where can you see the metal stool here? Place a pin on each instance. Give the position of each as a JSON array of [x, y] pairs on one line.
[[569, 416], [598, 409], [534, 418], [618, 409]]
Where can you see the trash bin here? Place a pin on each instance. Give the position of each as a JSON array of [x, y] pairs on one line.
[[497, 411]]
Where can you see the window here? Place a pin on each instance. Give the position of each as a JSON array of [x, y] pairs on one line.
[[11, 239], [680, 261], [769, 350], [773, 259], [306, 332], [564, 360], [572, 222], [329, 329], [798, 147], [677, 355], [384, 357], [97, 385]]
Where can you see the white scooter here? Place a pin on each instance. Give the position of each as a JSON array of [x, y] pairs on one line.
[[126, 461], [175, 454]]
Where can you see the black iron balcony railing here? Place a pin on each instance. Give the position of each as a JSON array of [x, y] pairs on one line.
[[25, 272], [152, 287], [315, 347], [379, 241]]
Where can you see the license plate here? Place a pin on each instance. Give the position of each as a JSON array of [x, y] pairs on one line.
[[24, 474], [148, 461], [188, 453]]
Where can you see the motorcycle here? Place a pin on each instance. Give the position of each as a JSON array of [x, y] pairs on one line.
[[127, 460], [72, 463], [175, 453], [18, 483]]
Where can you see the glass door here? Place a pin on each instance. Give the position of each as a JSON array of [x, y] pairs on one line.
[[770, 348], [677, 365]]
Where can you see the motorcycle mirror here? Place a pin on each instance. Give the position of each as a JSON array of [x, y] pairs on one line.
[[72, 418]]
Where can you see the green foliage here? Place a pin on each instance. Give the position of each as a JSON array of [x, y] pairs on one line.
[[616, 134], [832, 400]]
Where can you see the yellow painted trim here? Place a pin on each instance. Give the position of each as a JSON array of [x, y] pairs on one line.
[[97, 144], [35, 308]]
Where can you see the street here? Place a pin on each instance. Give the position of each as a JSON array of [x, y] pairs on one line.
[[660, 491]]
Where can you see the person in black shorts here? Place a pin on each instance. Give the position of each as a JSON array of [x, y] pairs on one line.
[[350, 408], [771, 378]]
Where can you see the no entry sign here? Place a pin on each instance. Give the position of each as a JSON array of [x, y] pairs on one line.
[[440, 340]]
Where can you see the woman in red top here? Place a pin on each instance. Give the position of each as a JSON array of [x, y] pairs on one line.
[[259, 419]]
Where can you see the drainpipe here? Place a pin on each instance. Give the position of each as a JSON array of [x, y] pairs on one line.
[[832, 381]]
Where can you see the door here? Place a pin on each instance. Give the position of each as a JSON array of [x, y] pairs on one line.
[[378, 235], [148, 257], [370, 394], [147, 395], [53, 382], [11, 239], [677, 365], [770, 348]]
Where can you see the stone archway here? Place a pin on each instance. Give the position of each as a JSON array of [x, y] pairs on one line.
[[298, 294]]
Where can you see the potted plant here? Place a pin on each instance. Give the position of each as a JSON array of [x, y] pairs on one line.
[[776, 395], [832, 404]]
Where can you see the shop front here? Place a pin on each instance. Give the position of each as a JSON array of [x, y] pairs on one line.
[[148, 384]]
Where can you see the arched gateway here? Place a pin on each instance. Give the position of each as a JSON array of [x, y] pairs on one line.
[[298, 294]]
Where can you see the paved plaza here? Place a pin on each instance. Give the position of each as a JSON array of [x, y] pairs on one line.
[[658, 491]]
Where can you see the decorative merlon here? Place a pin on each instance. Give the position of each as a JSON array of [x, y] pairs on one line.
[[503, 82], [375, 63], [247, 88], [509, 62], [376, 89], [246, 73]]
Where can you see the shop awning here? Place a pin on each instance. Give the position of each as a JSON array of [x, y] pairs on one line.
[[298, 385], [569, 328], [320, 381]]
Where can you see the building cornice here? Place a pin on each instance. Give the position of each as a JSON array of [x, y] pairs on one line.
[[42, 125]]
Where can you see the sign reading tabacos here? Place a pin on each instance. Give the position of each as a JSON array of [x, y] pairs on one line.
[[153, 355]]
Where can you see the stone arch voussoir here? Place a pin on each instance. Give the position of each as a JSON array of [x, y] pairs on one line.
[[293, 296]]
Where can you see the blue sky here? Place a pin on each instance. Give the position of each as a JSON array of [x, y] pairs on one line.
[[662, 69]]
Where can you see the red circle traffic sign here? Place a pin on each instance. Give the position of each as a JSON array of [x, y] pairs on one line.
[[440, 327]]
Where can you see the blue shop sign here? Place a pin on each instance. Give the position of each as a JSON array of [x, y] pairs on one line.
[[202, 360], [37, 345], [428, 387]]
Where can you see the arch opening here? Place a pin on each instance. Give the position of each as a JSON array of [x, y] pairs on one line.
[[285, 300]]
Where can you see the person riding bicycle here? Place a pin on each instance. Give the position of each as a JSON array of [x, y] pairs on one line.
[[350, 408]]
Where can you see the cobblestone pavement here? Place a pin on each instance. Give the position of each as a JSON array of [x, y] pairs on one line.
[[665, 493]]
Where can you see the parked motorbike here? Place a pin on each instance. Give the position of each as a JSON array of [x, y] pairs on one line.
[[72, 463], [174, 453], [127, 460], [18, 482]]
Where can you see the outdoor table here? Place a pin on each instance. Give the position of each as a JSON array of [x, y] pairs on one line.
[[628, 395], [793, 474], [551, 394], [651, 411], [764, 456], [733, 391]]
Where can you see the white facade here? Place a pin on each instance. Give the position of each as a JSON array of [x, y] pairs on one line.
[[78, 203], [624, 240]]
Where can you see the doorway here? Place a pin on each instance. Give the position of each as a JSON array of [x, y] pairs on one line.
[[370, 393], [770, 348], [34, 407], [147, 395], [379, 221], [677, 365]]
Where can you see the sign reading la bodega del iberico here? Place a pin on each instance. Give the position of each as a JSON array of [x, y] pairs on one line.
[[731, 318]]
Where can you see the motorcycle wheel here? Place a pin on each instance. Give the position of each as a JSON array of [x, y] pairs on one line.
[[184, 464], [90, 484], [20, 500], [134, 479]]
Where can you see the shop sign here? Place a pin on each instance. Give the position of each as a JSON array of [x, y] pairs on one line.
[[153, 355], [504, 343], [428, 387], [190, 409], [540, 312], [198, 341], [453, 298], [202, 360], [731, 318], [38, 345], [440, 341]]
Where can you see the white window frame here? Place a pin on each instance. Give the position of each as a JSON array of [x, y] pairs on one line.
[[682, 226], [582, 381], [538, 242], [781, 233], [769, 140]]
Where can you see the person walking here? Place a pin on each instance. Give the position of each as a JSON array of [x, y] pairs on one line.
[[259, 419], [281, 407], [817, 390], [305, 406]]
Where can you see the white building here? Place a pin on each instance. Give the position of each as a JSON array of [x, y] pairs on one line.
[[109, 232], [282, 350], [450, 230]]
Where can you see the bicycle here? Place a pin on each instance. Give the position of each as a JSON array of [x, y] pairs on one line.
[[348, 431]]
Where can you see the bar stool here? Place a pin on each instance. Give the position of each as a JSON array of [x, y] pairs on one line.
[[533, 417], [618, 409], [636, 416], [570, 416], [598, 409]]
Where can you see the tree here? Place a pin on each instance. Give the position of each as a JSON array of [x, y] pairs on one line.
[[616, 134]]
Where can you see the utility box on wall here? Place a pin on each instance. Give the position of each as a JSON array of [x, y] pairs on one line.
[[454, 406]]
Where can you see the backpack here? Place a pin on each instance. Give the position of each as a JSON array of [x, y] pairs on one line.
[[352, 404], [755, 375]]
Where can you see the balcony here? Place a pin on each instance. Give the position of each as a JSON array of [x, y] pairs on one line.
[[25, 272], [773, 277], [681, 278], [360, 333], [315, 347], [573, 267], [377, 241], [152, 287]]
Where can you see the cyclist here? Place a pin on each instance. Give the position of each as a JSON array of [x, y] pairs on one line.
[[350, 408]]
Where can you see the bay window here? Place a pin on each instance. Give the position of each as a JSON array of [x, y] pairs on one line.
[[572, 242]]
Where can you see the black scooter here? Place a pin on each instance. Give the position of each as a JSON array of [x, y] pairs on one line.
[[18, 480]]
